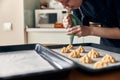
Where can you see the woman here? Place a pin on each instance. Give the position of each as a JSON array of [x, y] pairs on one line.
[[105, 12]]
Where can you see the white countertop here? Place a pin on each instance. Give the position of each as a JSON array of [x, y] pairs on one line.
[[46, 29]]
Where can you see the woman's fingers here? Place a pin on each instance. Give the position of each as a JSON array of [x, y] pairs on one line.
[[79, 31], [74, 30], [67, 22]]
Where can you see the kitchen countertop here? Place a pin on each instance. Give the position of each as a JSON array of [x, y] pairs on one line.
[[45, 29], [78, 75]]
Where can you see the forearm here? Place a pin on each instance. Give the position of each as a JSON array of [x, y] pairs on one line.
[[112, 33]]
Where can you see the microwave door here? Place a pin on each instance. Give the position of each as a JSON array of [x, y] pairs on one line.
[[52, 18], [43, 19], [47, 19]]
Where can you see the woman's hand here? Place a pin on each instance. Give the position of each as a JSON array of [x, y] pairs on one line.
[[67, 21], [80, 31]]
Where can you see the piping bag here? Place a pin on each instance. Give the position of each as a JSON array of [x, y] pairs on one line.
[[75, 21]]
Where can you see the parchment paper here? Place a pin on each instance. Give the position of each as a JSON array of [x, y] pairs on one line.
[[87, 49], [22, 62]]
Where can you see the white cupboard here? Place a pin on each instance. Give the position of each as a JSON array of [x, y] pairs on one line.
[[55, 36]]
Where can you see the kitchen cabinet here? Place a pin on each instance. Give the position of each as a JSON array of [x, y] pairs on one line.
[[55, 36]]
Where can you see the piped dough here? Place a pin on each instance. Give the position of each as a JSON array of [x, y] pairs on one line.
[[93, 54], [100, 64], [80, 49], [65, 50], [70, 46], [86, 59], [74, 54], [109, 59]]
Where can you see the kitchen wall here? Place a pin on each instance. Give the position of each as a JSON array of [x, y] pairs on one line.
[[29, 11], [13, 11]]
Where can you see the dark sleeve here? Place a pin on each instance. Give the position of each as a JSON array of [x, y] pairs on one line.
[[78, 14], [105, 12], [117, 6]]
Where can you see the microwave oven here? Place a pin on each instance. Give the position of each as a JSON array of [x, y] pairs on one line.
[[46, 18]]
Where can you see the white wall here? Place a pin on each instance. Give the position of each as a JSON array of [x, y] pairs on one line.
[[29, 11], [12, 11]]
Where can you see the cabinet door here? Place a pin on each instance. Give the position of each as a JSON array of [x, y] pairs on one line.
[[51, 38], [91, 39]]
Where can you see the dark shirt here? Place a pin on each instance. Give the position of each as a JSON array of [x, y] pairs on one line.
[[105, 12]]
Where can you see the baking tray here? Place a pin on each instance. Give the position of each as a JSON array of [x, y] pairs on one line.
[[89, 67], [32, 62]]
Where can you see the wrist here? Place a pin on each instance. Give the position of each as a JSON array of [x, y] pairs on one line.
[[91, 28]]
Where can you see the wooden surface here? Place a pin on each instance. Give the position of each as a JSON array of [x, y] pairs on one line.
[[77, 75]]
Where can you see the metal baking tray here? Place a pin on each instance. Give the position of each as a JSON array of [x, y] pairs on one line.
[[89, 67], [32, 62]]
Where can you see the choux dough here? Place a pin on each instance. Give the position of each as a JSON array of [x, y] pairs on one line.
[[80, 49], [86, 59], [109, 59], [65, 50], [100, 64], [69, 46], [74, 54], [93, 54]]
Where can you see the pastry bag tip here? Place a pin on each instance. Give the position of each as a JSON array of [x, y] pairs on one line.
[[71, 39]]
